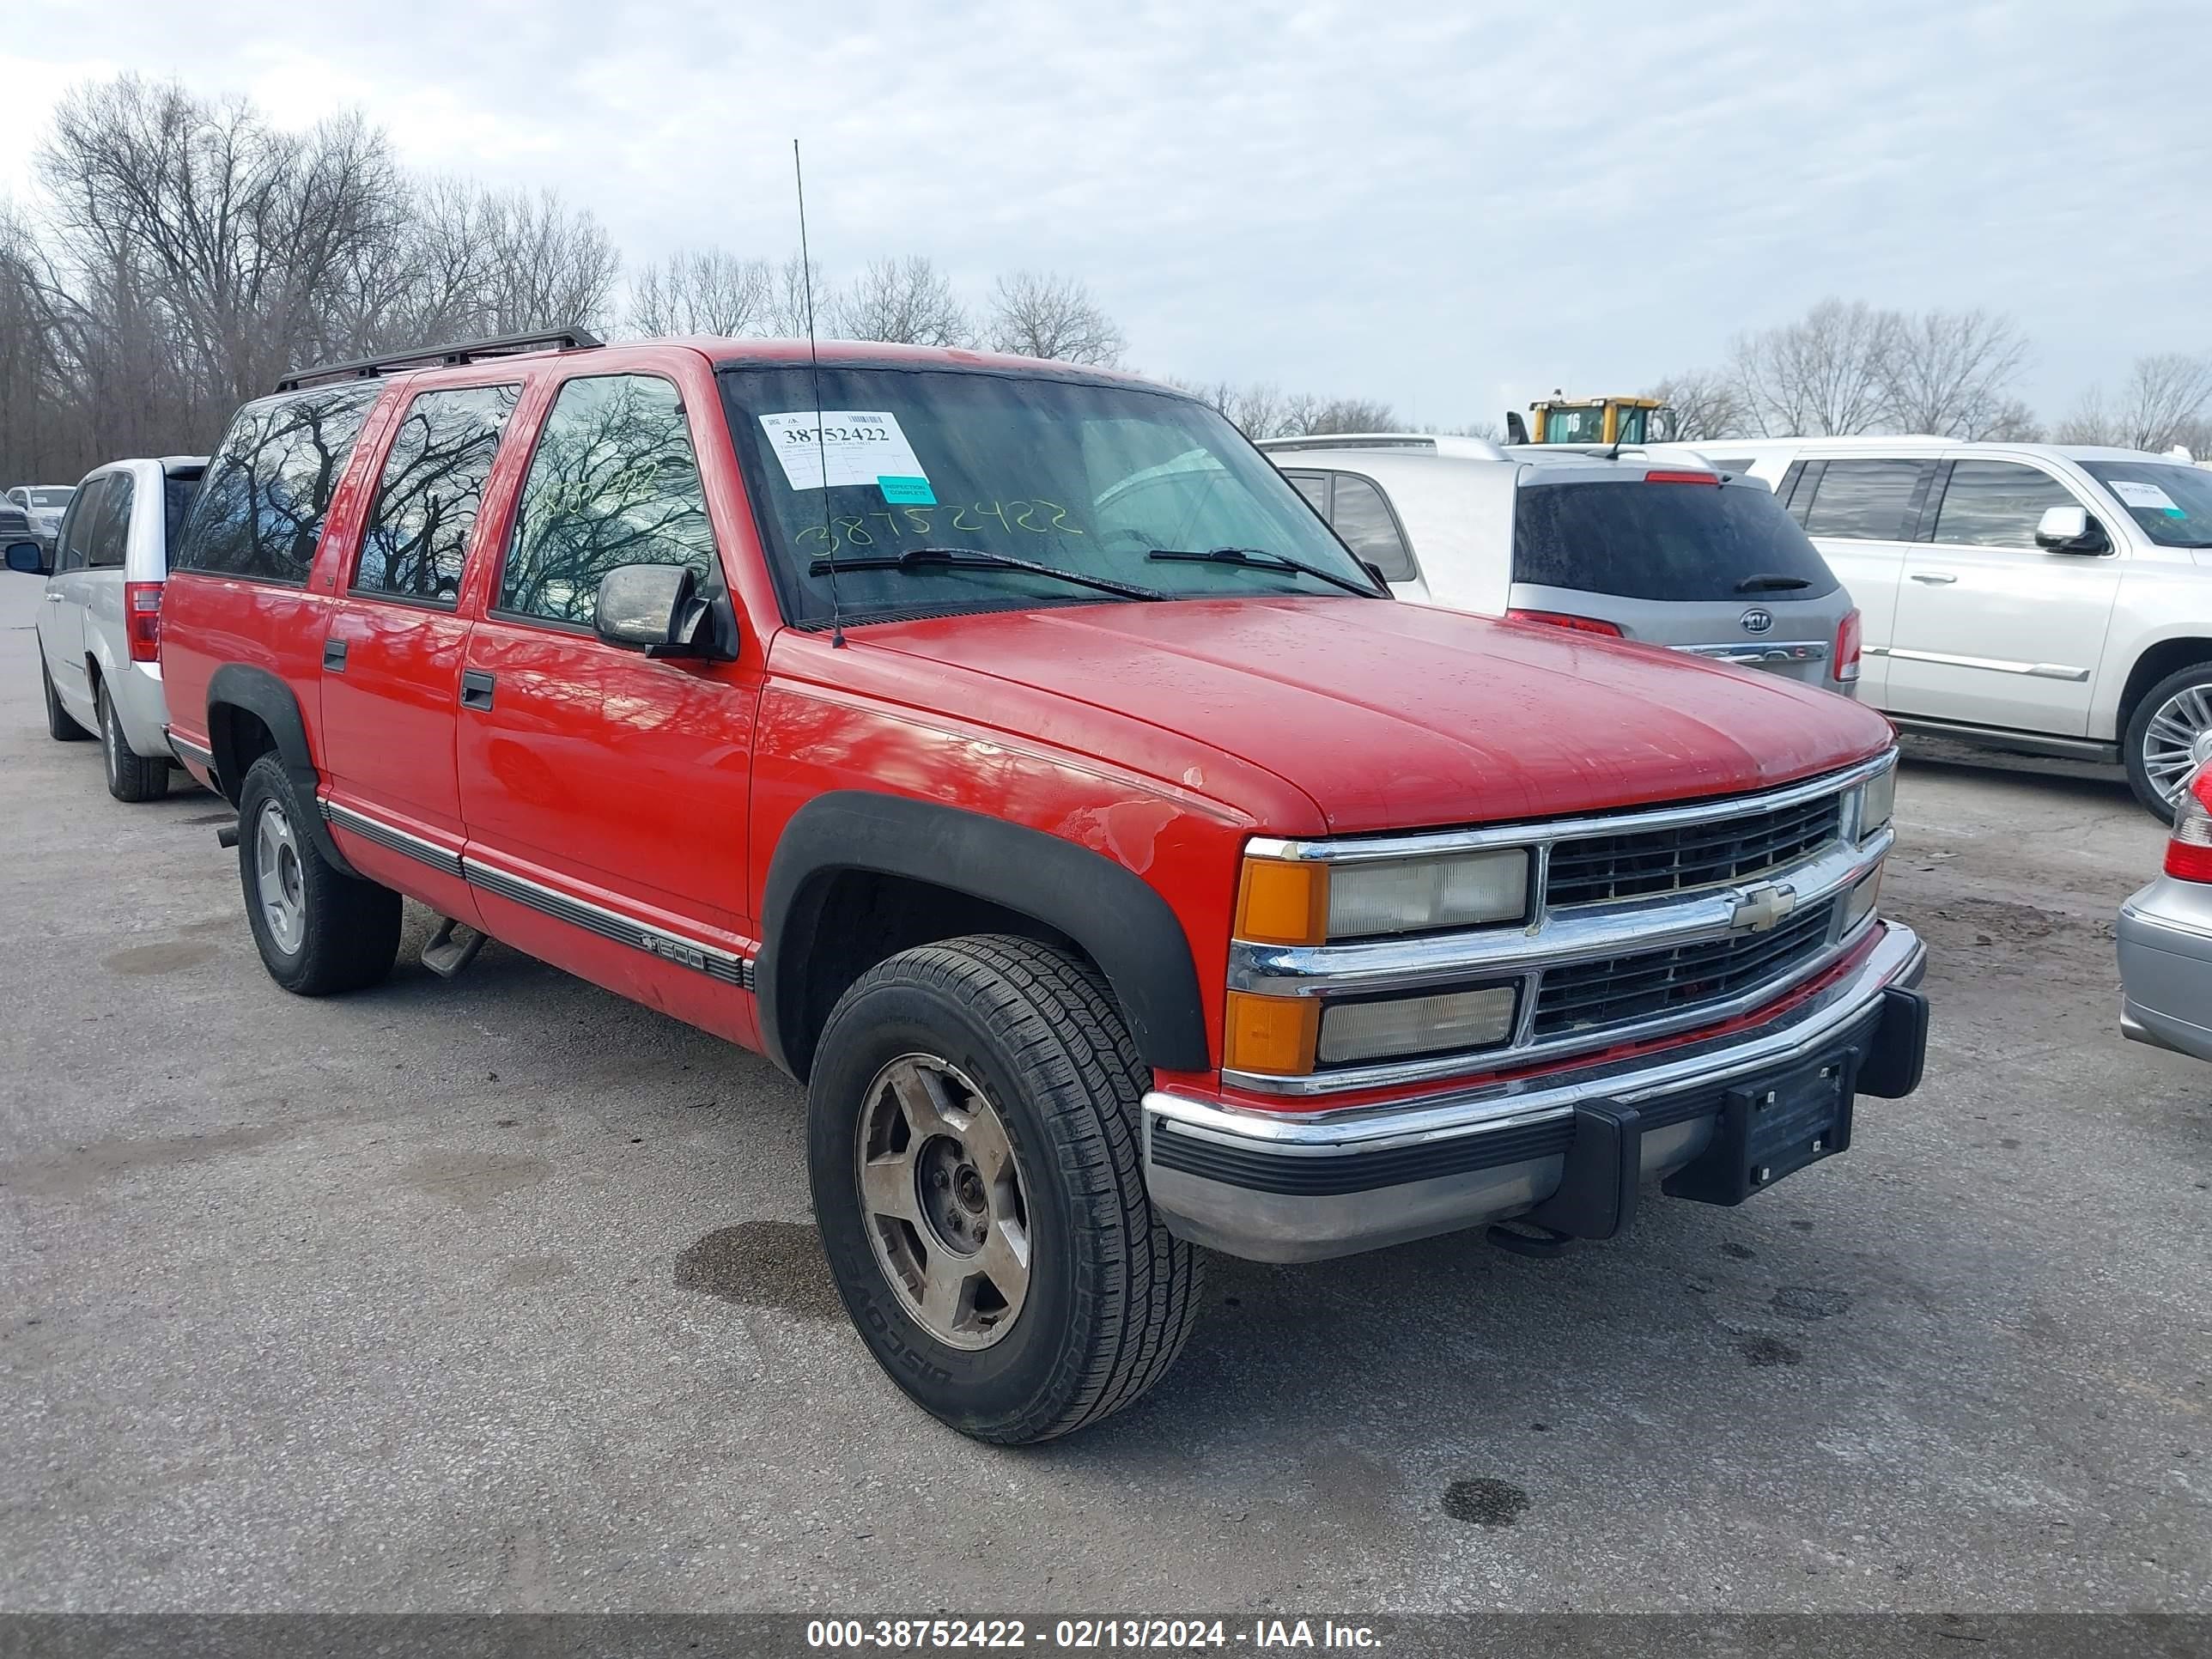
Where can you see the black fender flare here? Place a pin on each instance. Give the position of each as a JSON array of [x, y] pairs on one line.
[[1112, 913], [261, 694]]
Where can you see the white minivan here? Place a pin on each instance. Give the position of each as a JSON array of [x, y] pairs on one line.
[[2043, 598], [99, 628]]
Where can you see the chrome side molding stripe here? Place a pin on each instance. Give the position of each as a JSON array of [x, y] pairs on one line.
[[711, 960]]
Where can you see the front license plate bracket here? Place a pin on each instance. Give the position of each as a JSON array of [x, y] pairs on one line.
[[1771, 1126]]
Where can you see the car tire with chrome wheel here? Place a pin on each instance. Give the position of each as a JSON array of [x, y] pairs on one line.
[[973, 1147], [318, 929], [2162, 732]]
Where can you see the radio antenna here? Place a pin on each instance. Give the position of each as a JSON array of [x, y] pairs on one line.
[[814, 369]]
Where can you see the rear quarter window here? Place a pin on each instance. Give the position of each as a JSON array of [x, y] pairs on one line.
[[1662, 541], [262, 500]]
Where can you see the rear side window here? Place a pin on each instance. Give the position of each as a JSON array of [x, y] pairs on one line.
[[434, 482], [176, 493], [108, 536], [1364, 521], [1662, 541], [261, 504], [1863, 501], [614, 481]]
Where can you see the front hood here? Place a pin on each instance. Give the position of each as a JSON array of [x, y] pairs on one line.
[[1398, 716]]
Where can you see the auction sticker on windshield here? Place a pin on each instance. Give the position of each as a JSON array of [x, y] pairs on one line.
[[2148, 496], [855, 446]]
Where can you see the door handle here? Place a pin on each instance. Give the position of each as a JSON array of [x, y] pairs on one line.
[[1934, 577], [53, 599], [475, 688], [334, 655]]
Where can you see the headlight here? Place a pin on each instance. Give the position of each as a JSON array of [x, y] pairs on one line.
[[1441, 1023], [1877, 801], [1291, 902]]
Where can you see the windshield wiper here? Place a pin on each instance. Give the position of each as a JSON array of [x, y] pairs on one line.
[[1770, 584], [1254, 558], [969, 558]]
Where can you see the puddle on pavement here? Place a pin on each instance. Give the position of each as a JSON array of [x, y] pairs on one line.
[[1485, 1503], [763, 1264], [169, 956], [1764, 1351]]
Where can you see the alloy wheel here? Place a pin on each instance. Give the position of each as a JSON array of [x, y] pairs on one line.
[[942, 1201], [2171, 735], [278, 884]]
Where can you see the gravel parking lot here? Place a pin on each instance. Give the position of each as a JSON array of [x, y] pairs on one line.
[[502, 1294]]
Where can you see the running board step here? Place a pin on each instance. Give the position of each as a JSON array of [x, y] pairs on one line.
[[446, 954]]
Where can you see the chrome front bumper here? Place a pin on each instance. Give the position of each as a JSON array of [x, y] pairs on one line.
[[1282, 1187]]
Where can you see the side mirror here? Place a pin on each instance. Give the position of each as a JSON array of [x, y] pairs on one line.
[[2070, 530], [656, 609], [29, 558]]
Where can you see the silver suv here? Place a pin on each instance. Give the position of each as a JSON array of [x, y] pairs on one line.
[[1669, 552], [100, 629]]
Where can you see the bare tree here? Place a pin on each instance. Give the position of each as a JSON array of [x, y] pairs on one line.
[[785, 316], [2011, 421], [1826, 374], [1350, 414], [1040, 314], [704, 290], [2162, 404], [907, 301], [550, 265], [1950, 372], [1706, 404]]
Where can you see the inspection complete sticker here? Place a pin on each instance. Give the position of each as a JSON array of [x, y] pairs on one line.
[[850, 446]]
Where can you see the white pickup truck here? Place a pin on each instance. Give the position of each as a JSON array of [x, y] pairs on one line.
[[2042, 598]]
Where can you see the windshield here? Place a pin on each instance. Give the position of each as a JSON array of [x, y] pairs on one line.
[[45, 499], [1663, 541], [1083, 477], [2173, 504]]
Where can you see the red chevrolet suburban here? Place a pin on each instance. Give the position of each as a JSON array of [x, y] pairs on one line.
[[1009, 752]]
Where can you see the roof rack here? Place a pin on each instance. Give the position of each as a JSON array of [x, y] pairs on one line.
[[504, 345], [1477, 449]]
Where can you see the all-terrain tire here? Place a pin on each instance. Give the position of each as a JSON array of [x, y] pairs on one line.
[[318, 930], [60, 726], [2153, 734], [130, 776], [1111, 1294]]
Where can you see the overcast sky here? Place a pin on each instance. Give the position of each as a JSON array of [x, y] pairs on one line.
[[1448, 207]]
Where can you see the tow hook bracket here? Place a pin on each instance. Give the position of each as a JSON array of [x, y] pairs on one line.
[[1521, 1237], [1597, 1196], [451, 948]]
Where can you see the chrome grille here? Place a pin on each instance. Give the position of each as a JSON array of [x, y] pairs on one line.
[[1638, 862], [1616, 990]]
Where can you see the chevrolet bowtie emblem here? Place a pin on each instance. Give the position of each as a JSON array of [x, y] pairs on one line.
[[1757, 908]]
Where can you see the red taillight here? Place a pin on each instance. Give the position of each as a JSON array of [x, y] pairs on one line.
[[2189, 854], [1682, 478], [142, 620], [1561, 619], [1846, 668]]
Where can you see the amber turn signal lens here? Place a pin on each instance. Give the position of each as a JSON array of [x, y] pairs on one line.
[[1283, 902], [1273, 1034]]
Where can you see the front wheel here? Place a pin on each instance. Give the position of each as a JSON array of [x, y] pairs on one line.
[[61, 727], [2162, 734], [130, 776], [974, 1149], [318, 929]]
